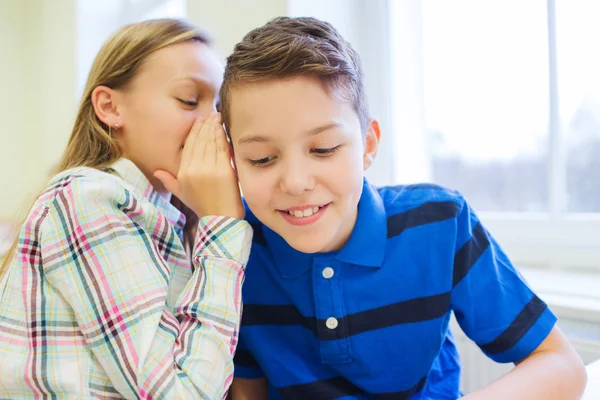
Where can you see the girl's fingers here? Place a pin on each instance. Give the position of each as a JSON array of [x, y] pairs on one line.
[[220, 137], [206, 140], [187, 155]]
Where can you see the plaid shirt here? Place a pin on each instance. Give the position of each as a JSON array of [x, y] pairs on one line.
[[100, 300]]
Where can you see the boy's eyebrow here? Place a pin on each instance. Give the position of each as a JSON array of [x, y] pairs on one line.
[[310, 132], [252, 139], [319, 129]]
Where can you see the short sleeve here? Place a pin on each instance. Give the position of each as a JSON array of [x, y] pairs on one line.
[[492, 302]]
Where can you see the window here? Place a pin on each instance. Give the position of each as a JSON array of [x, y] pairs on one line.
[[501, 100], [578, 66], [485, 80]]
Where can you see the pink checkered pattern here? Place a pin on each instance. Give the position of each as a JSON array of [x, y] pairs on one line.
[[100, 300]]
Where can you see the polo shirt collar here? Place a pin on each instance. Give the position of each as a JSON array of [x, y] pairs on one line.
[[365, 247]]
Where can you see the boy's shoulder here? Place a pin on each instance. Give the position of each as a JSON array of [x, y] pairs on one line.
[[399, 198]]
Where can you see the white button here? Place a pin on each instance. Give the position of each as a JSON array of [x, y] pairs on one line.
[[331, 323], [328, 272]]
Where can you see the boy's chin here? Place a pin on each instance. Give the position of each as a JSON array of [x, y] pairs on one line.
[[308, 245]]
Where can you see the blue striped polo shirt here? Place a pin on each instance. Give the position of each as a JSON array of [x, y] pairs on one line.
[[371, 320]]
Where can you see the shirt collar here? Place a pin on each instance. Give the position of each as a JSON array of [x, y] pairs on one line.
[[131, 174], [366, 246]]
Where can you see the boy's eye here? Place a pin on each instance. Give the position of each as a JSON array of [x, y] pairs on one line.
[[325, 152], [189, 103], [261, 162]]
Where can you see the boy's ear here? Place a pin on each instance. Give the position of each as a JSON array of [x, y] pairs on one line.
[[371, 143], [105, 102]]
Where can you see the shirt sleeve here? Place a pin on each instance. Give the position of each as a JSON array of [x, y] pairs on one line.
[[112, 272], [492, 302], [246, 366]]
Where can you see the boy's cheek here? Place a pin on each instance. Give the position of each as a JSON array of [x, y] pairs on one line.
[[243, 177], [254, 192]]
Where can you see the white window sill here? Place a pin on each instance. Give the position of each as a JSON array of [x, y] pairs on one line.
[[592, 390], [571, 294]]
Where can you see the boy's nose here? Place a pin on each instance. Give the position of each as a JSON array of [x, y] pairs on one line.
[[296, 179]]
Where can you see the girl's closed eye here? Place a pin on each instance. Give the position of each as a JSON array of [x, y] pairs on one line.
[[188, 103]]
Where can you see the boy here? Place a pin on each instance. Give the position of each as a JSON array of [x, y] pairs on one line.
[[350, 288]]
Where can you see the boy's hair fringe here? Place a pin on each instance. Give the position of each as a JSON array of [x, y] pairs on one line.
[[287, 47]]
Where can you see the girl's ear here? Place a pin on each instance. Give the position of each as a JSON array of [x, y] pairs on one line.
[[105, 103]]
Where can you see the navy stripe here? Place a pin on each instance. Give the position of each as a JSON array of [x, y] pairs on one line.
[[244, 358], [518, 328], [282, 315], [404, 312], [469, 253], [321, 390], [419, 186], [259, 236], [425, 214], [340, 387], [403, 395]]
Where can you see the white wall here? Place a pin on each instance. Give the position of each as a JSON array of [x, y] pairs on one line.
[[37, 106], [53, 51], [13, 116], [229, 20]]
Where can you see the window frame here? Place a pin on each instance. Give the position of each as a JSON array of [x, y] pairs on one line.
[[555, 239]]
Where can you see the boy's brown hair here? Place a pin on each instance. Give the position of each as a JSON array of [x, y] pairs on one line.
[[287, 47]]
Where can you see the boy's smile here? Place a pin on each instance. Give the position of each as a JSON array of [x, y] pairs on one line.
[[304, 215], [301, 156]]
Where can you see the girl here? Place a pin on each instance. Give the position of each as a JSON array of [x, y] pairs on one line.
[[99, 297]]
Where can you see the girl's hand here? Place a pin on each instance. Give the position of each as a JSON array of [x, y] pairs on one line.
[[206, 181]]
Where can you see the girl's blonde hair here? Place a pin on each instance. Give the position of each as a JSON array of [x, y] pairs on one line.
[[115, 66]]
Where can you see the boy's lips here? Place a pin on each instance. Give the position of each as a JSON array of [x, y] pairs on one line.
[[302, 207], [303, 215]]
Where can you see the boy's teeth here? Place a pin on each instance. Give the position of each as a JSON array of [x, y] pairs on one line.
[[303, 213]]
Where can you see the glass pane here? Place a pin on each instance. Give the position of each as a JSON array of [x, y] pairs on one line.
[[486, 100], [578, 40]]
